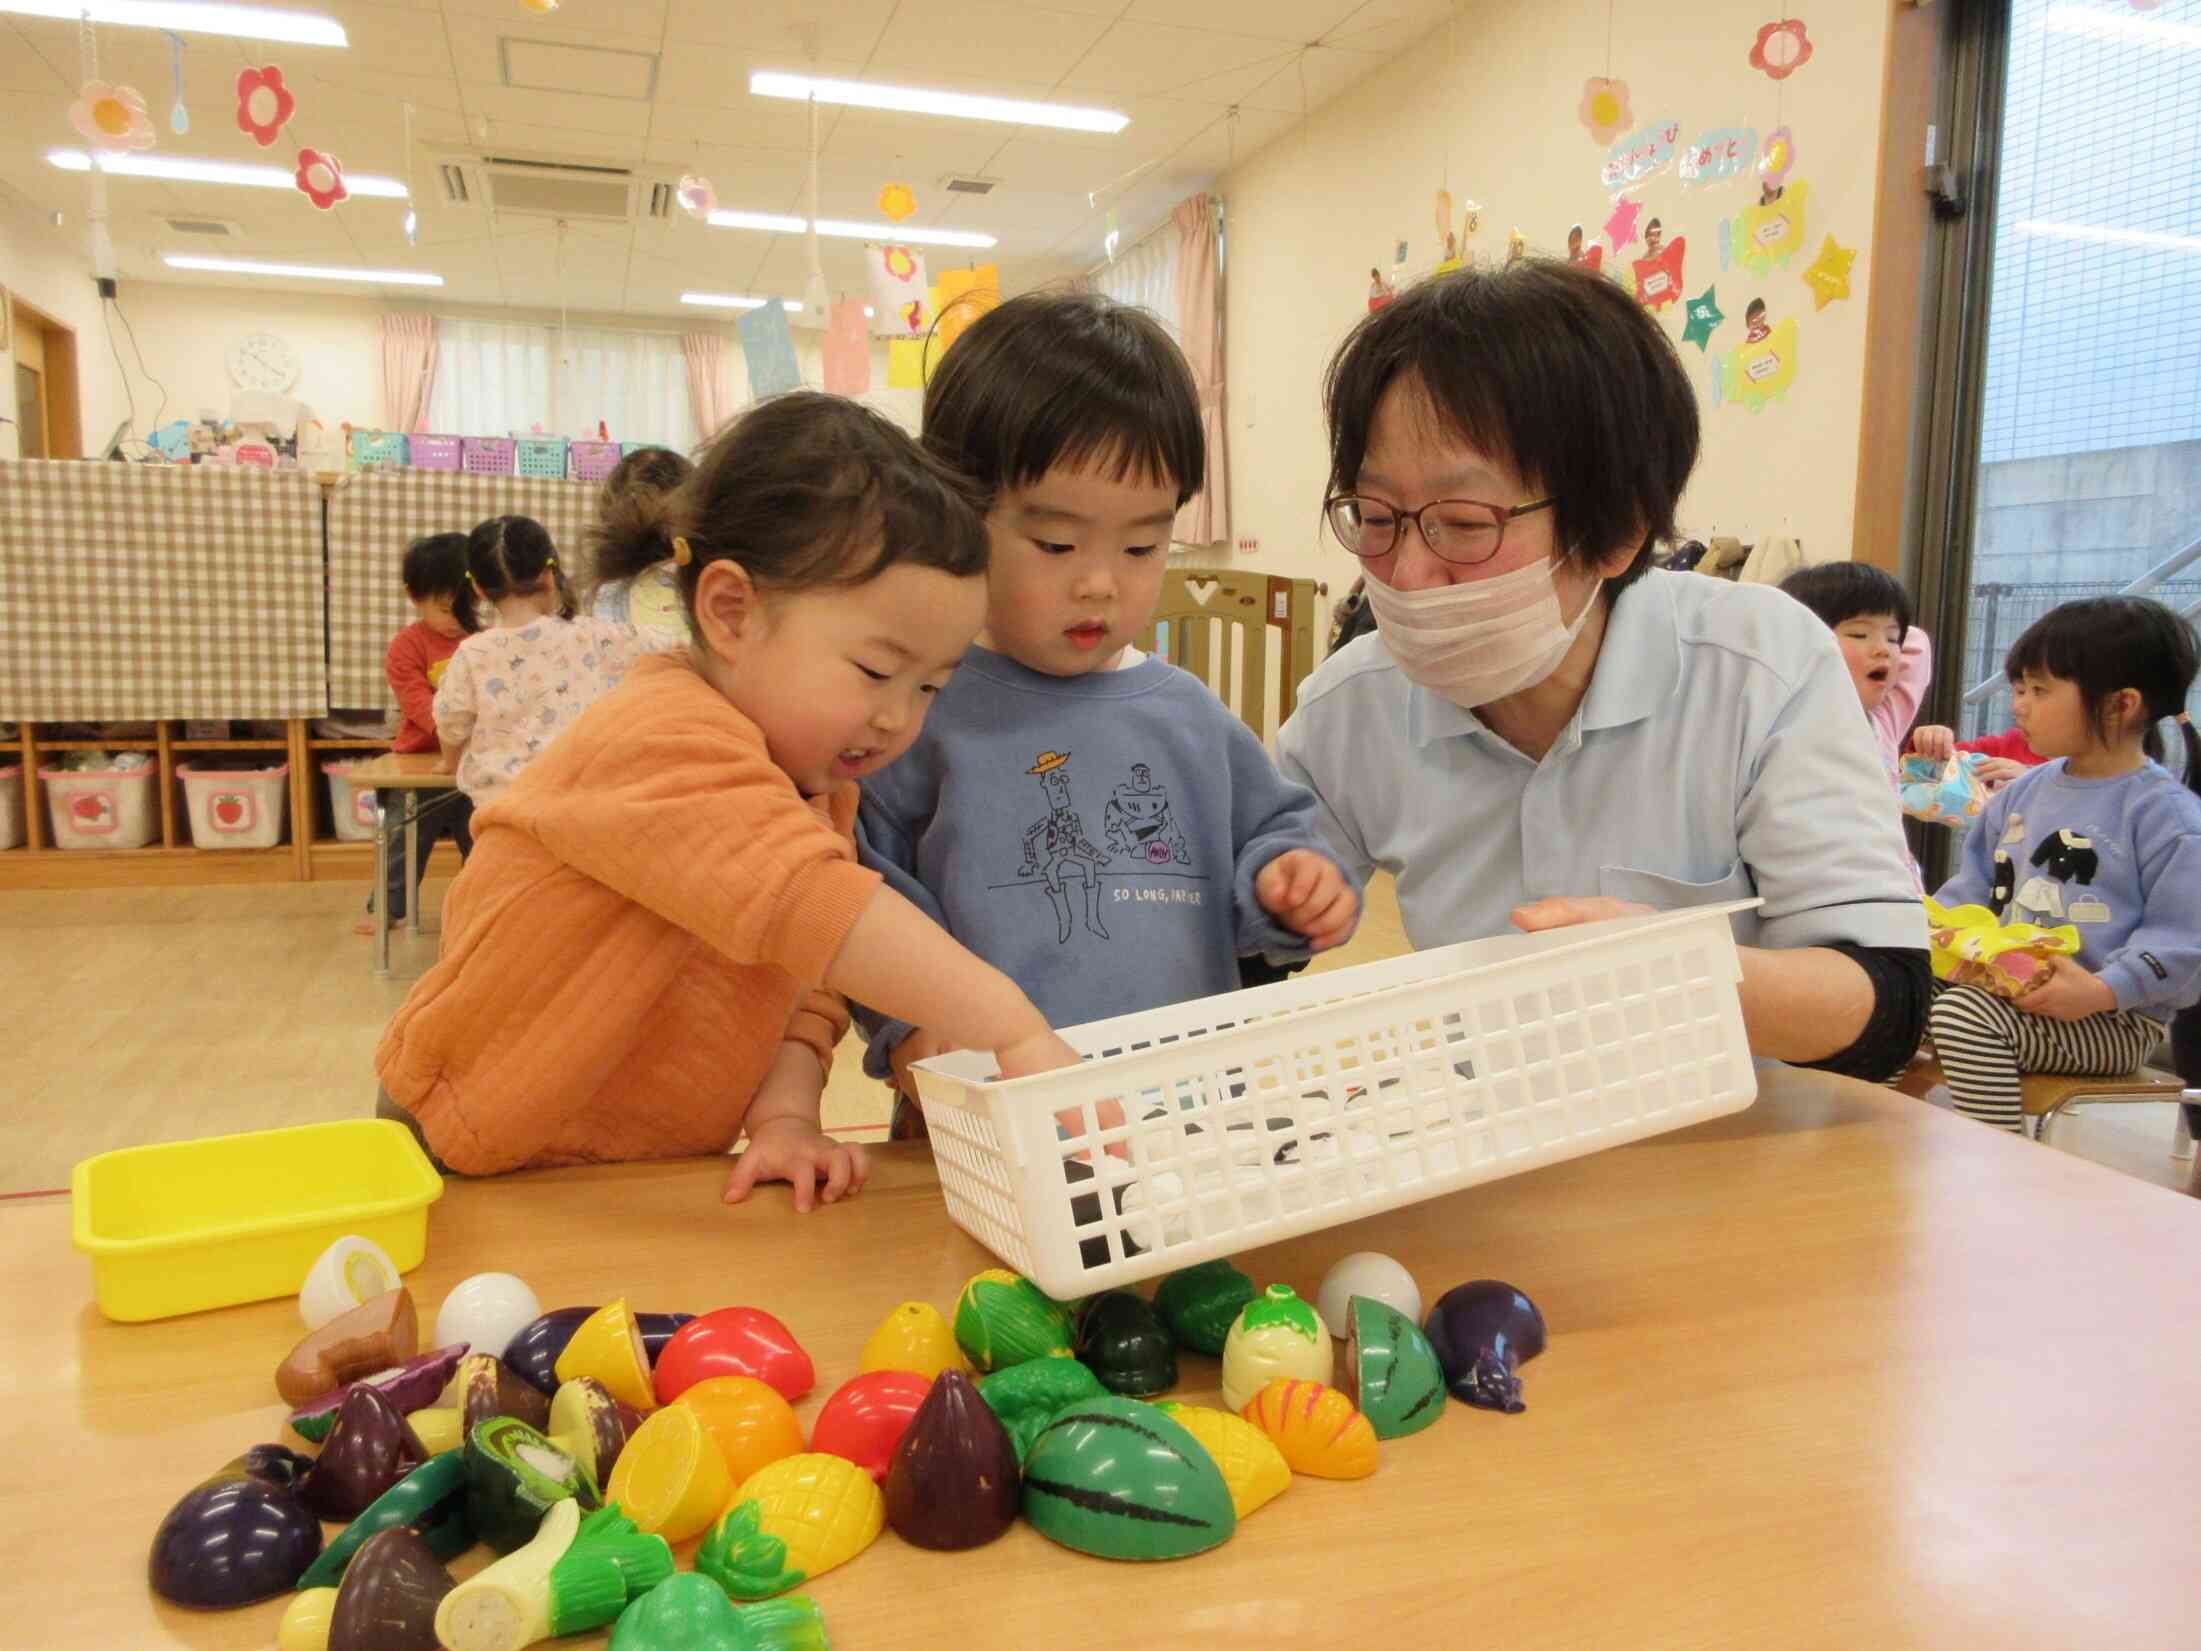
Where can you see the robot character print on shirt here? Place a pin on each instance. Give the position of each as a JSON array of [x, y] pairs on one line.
[[1139, 825], [1141, 837]]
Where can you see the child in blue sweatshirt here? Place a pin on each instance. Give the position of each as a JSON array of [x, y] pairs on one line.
[[2102, 838], [1092, 821]]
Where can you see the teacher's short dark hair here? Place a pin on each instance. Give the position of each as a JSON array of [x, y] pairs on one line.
[[1549, 368]]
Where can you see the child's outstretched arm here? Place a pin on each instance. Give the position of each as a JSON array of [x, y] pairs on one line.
[[1293, 896]]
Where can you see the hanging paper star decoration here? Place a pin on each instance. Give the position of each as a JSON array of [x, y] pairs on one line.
[[1828, 274], [1620, 226], [897, 201], [1705, 316]]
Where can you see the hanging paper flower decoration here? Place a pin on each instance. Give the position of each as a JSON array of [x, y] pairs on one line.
[[696, 196], [264, 103], [111, 117], [320, 178], [1778, 156], [1782, 48], [899, 262], [897, 201], [1604, 109], [544, 6]]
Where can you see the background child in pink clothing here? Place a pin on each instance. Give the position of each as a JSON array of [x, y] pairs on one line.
[[508, 692], [1890, 659]]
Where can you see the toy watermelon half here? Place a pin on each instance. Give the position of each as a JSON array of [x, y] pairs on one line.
[[1119, 1479]]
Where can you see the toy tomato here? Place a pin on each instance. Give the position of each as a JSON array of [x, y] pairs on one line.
[[866, 1417], [734, 1341]]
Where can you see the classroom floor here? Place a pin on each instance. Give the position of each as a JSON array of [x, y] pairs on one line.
[[162, 1014]]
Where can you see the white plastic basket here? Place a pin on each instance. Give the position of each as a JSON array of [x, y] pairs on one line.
[[1259, 1115]]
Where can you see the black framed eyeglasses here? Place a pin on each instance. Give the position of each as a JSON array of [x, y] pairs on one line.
[[1461, 531]]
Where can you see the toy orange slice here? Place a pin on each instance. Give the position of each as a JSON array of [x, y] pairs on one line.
[[750, 1423], [1316, 1427], [608, 1346], [671, 1479]]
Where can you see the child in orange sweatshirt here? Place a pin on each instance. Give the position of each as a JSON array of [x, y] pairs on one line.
[[646, 956]]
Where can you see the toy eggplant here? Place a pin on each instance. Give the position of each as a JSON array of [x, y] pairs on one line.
[[389, 1596], [865, 1419], [791, 1522], [430, 1501], [368, 1450], [1123, 1343], [692, 1613], [750, 1423], [1118, 1479], [1364, 1273], [533, 1353], [1003, 1318], [349, 1273], [1483, 1333], [916, 1338], [414, 1385], [590, 1425], [1200, 1304], [574, 1575], [671, 1478], [487, 1387], [954, 1483], [1028, 1396], [1391, 1371], [1247, 1458], [607, 1345], [372, 1337], [734, 1341], [239, 1535], [486, 1311], [1316, 1427], [1276, 1335], [514, 1476]]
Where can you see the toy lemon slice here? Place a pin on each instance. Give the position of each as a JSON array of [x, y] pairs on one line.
[[671, 1478], [791, 1522], [608, 1345]]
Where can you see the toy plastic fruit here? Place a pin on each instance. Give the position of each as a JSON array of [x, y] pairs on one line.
[[748, 1421], [240, 1535], [369, 1339], [575, 1575], [1364, 1273], [1483, 1333], [1316, 1427], [1391, 1371], [514, 1476], [305, 1624], [1200, 1304], [412, 1386], [1123, 1343], [734, 1341], [349, 1273], [954, 1481], [916, 1338], [389, 1596], [866, 1417], [671, 1478], [692, 1613], [438, 1428], [430, 1501], [608, 1346], [486, 1311], [1003, 1318], [368, 1450], [590, 1425], [790, 1522], [1028, 1396], [487, 1387], [1119, 1479], [1276, 1335], [1247, 1458], [533, 1353]]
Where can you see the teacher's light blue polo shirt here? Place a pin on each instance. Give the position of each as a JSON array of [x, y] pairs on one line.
[[1720, 753]]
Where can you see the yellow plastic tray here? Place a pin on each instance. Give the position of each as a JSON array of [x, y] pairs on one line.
[[188, 1225]]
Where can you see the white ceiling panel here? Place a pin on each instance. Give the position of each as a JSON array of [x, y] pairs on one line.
[[989, 39], [783, 29]]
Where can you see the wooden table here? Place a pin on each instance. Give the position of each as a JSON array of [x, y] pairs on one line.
[[1838, 1371], [415, 771]]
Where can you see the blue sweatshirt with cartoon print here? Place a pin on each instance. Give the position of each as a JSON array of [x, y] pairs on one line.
[[1095, 838], [2120, 859]]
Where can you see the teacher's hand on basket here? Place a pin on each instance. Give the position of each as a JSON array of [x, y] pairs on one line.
[[1565, 911]]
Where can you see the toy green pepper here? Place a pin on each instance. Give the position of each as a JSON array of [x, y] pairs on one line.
[[431, 1499], [1199, 1304], [1123, 1343], [1028, 1396]]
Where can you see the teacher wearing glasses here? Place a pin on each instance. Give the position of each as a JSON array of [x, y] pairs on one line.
[[1544, 730]]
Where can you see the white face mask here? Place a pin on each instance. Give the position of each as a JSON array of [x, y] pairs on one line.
[[1482, 639]]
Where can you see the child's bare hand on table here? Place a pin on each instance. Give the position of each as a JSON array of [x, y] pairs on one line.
[[796, 1151], [1307, 893]]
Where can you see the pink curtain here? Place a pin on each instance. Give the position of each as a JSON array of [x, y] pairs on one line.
[[707, 391], [408, 369], [1205, 518]]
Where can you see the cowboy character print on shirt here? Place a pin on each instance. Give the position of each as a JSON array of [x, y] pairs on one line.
[[1139, 825], [1057, 850]]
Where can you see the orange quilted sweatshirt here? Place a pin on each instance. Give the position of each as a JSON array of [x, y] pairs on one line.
[[646, 917]]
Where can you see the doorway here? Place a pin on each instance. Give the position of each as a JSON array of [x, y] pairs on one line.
[[48, 414]]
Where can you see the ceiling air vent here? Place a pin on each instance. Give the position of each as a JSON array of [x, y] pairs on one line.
[[968, 186], [559, 189], [457, 190], [661, 200], [203, 226]]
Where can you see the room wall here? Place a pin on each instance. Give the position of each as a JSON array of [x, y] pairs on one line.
[[1492, 115], [52, 269]]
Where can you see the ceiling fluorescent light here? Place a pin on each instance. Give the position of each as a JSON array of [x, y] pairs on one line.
[[190, 17], [183, 169], [899, 234], [734, 301], [915, 100], [2110, 234], [309, 272], [2145, 31]]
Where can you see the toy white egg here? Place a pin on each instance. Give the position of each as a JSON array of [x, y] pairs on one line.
[[349, 1273], [1365, 1273], [486, 1312]]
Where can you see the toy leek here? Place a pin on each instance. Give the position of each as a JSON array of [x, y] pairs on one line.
[[514, 1477], [1200, 1304], [790, 1522], [692, 1613], [1277, 1335], [576, 1574], [390, 1596], [431, 1499], [1028, 1396], [1002, 1319]]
